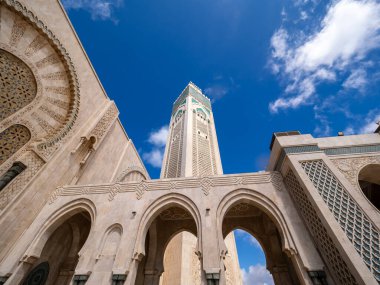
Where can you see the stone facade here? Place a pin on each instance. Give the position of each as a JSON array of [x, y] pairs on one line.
[[77, 206]]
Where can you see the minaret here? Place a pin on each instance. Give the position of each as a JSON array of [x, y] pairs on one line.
[[192, 146], [192, 150]]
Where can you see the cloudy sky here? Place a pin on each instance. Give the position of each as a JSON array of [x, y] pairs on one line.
[[273, 65]]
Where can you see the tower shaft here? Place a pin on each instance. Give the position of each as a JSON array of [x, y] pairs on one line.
[[192, 145]]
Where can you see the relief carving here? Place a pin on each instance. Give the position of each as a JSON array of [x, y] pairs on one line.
[[350, 167]]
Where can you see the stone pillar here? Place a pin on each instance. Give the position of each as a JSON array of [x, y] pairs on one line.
[[211, 255]]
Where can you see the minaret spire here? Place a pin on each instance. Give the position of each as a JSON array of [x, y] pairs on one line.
[[192, 145]]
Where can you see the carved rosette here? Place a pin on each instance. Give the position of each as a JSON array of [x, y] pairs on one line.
[[350, 167]]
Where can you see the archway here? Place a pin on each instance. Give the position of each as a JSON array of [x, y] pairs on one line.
[[369, 181], [173, 223], [59, 256], [245, 215]]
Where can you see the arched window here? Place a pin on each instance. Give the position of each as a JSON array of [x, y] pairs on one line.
[[369, 181], [12, 139], [18, 86]]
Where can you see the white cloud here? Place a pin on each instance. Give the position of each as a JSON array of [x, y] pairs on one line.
[[279, 43], [256, 275], [154, 157], [99, 9], [216, 91], [349, 30], [364, 124], [304, 15], [356, 80], [370, 122], [157, 139]]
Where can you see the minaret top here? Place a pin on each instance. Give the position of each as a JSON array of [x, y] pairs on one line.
[[191, 90]]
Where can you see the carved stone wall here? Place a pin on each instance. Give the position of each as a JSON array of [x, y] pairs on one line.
[[33, 164]]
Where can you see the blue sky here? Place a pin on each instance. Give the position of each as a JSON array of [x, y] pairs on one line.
[[307, 65]]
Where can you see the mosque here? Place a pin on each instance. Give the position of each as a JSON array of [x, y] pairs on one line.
[[77, 205]]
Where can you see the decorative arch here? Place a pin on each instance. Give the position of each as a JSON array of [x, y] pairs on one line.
[[13, 139], [116, 229], [47, 84], [259, 216], [157, 207], [263, 203], [55, 220], [133, 173]]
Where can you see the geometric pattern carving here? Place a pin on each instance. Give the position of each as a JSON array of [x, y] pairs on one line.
[[323, 241], [350, 167], [33, 163], [175, 213], [18, 86], [359, 229], [243, 210], [206, 184], [11, 140], [140, 189], [104, 124]]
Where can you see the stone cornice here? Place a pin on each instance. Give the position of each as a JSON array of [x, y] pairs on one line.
[[204, 183]]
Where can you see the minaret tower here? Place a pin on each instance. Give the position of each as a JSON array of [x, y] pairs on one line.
[[192, 150], [192, 146]]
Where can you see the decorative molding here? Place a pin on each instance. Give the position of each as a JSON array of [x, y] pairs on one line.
[[104, 124], [205, 184]]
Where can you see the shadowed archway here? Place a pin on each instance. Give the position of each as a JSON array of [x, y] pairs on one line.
[[59, 256], [369, 181], [245, 215], [168, 223]]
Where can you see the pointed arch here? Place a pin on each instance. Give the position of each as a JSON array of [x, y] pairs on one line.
[[55, 220], [157, 207], [263, 203]]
